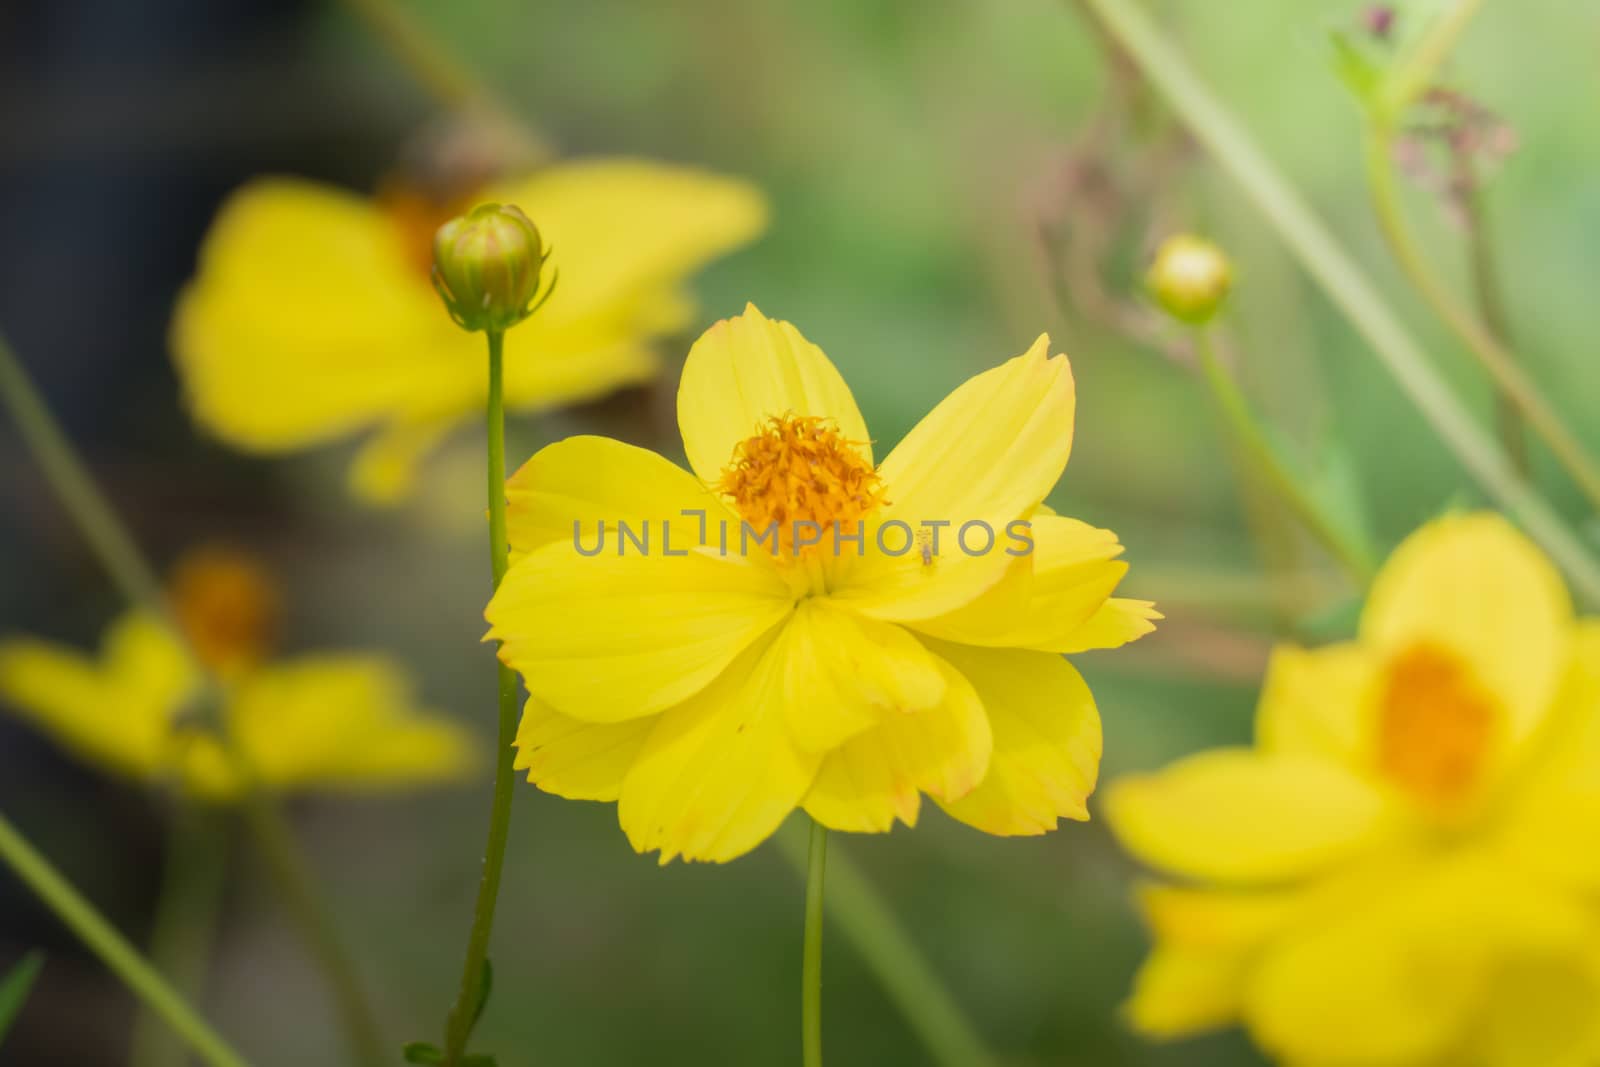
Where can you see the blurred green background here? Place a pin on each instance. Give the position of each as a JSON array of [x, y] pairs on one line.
[[931, 166]]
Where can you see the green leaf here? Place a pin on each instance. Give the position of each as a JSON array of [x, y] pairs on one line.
[[1356, 67], [485, 986], [422, 1052], [15, 987]]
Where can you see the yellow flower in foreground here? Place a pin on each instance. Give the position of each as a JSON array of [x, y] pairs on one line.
[[1400, 873], [712, 693], [313, 317], [336, 721]]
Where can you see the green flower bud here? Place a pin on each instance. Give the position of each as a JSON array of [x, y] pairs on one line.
[[486, 267], [1190, 278]]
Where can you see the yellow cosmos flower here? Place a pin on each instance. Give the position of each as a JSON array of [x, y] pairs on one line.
[[1399, 873], [312, 316], [330, 721], [711, 693]]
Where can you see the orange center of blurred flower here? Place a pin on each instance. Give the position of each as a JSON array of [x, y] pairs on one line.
[[799, 469], [1435, 728], [417, 216], [227, 606]]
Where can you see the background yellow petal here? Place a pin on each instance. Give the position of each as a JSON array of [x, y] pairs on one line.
[[347, 722], [1475, 586], [844, 674], [1215, 919], [879, 776], [718, 773], [1233, 815], [1047, 741], [1320, 703], [625, 233], [302, 283], [609, 637], [747, 369], [1181, 992], [116, 713], [576, 759], [590, 480], [988, 453]]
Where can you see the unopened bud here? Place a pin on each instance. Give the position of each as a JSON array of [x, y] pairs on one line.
[[486, 267], [1190, 278]]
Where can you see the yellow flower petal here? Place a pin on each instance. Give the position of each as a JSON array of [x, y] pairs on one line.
[[116, 713], [1180, 992], [569, 488], [301, 283], [1474, 586], [346, 722], [385, 468], [576, 759], [1320, 703], [1402, 975], [987, 454], [1233, 815], [718, 773], [878, 776], [625, 233], [1216, 919], [1118, 622], [1068, 577], [746, 369], [608, 638], [1046, 740], [844, 674]]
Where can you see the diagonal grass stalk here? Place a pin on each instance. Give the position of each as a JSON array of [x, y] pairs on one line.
[[137, 581]]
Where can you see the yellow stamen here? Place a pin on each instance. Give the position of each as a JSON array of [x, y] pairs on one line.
[[1436, 728], [227, 606], [798, 469]]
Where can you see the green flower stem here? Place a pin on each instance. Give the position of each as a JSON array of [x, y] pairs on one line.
[[296, 887], [1252, 443], [1326, 260], [420, 53], [811, 966], [184, 929], [137, 580], [869, 924], [1513, 385], [1491, 305], [113, 949], [464, 1014]]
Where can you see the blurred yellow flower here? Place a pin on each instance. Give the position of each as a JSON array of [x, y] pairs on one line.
[[312, 316], [711, 693], [334, 721], [1399, 873]]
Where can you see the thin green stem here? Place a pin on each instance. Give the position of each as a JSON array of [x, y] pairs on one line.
[[1252, 443], [811, 965], [872, 929], [297, 889], [463, 1015], [1332, 267], [137, 580], [1414, 71], [1492, 306], [451, 81], [101, 938], [184, 927], [1509, 378]]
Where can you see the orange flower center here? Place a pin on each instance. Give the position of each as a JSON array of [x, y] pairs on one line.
[[416, 215], [1436, 728], [798, 470], [227, 606]]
